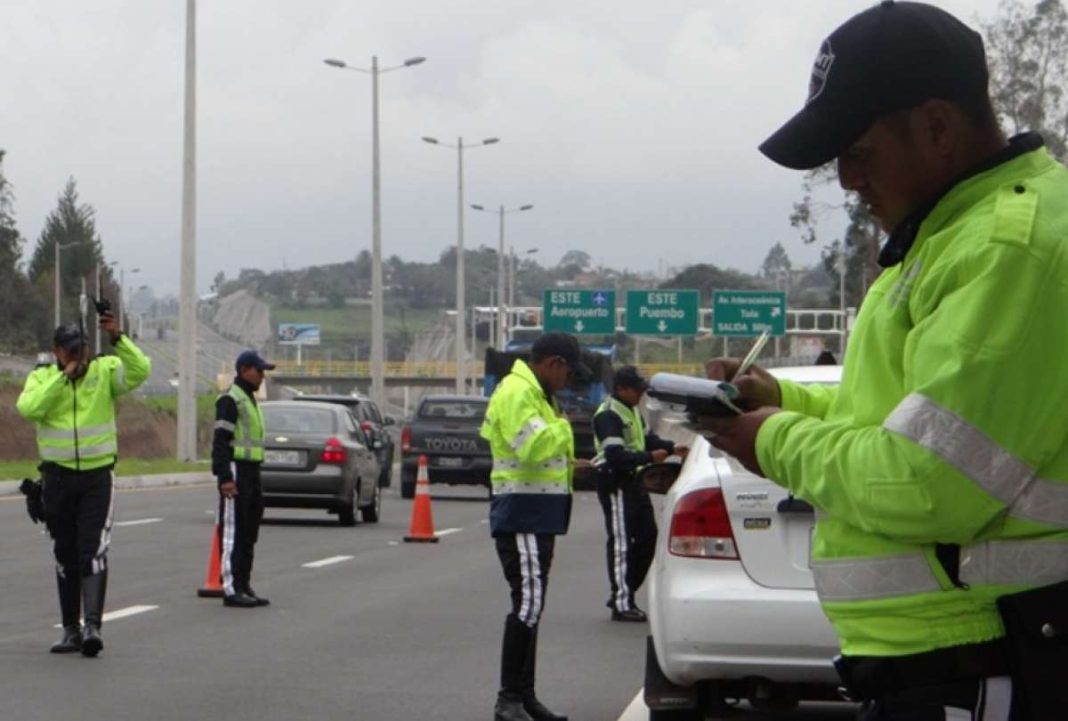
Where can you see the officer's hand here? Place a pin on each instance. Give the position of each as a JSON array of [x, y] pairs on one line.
[[110, 325], [736, 435], [680, 451], [758, 387], [228, 489], [75, 369], [658, 455]]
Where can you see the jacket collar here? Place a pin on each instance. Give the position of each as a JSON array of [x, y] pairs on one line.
[[521, 370], [244, 385], [904, 235]]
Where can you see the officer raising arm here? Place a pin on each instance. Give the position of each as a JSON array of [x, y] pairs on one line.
[[533, 453], [939, 466], [624, 446], [236, 455], [72, 403]]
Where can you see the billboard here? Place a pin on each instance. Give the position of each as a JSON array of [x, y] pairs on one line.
[[298, 334]]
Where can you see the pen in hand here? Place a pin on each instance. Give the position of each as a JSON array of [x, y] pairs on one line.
[[751, 356]]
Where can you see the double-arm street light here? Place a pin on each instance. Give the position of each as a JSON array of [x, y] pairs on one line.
[[461, 371], [501, 329], [378, 387]]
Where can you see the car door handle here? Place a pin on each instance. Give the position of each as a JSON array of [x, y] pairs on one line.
[[794, 505]]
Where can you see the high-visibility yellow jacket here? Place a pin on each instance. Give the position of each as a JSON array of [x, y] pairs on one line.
[[76, 421], [533, 451], [950, 426]]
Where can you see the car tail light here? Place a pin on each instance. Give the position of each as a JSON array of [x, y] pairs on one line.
[[701, 528], [406, 439], [333, 452], [367, 427]]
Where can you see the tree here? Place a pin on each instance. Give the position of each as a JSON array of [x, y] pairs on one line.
[[17, 329], [776, 263], [576, 258], [71, 224], [1027, 51]]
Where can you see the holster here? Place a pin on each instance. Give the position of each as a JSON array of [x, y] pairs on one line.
[[1036, 627]]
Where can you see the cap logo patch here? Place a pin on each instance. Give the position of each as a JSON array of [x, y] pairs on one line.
[[820, 70]]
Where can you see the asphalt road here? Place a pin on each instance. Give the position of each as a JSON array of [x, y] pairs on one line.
[[379, 630]]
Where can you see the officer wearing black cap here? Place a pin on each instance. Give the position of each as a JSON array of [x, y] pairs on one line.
[[236, 455], [72, 403], [533, 452], [938, 467], [624, 445]]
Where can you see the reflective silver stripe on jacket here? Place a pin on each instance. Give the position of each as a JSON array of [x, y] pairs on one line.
[[532, 426], [120, 380], [506, 464], [69, 454], [864, 579], [611, 441], [553, 488], [1028, 563], [57, 434], [225, 425], [981, 459]]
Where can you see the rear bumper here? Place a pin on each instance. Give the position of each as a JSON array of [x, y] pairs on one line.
[[475, 470], [709, 621], [325, 487]]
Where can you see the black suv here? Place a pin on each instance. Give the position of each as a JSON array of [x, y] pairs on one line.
[[373, 423]]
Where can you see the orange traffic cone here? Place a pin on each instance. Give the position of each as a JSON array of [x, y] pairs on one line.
[[212, 587], [422, 527]]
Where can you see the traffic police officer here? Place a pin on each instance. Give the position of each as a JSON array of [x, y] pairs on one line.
[[236, 455], [533, 453], [938, 468], [72, 403], [624, 446]]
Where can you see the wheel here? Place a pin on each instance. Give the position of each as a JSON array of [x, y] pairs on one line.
[[407, 488], [370, 514], [346, 515]]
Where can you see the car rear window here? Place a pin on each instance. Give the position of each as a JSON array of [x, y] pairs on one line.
[[454, 410], [299, 420]]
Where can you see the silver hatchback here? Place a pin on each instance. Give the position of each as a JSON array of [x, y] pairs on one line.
[[316, 456]]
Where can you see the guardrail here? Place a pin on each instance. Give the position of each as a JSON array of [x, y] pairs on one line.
[[430, 369]]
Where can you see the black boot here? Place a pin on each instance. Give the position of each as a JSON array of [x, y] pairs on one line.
[[70, 607], [534, 708], [240, 600], [515, 647], [260, 600], [94, 588]]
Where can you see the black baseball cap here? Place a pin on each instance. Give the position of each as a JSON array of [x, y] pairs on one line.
[[890, 57], [252, 358], [629, 377], [567, 347], [68, 336]]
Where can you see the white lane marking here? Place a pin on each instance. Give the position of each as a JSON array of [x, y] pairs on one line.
[[637, 710], [138, 522], [122, 613], [484, 522], [447, 531], [393, 543], [326, 561]]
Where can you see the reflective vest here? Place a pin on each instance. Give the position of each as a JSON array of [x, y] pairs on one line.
[[633, 438], [76, 421], [248, 432], [533, 450], [949, 426]]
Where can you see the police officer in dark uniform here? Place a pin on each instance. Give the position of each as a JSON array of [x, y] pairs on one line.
[[236, 455], [624, 445]]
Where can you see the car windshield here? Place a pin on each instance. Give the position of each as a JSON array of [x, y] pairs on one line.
[[299, 420], [453, 410]]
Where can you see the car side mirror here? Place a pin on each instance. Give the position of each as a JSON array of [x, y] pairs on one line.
[[659, 477], [389, 421]]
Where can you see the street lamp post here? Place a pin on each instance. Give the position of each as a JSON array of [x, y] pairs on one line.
[[512, 283], [122, 294], [378, 385], [461, 371], [501, 324], [58, 284]]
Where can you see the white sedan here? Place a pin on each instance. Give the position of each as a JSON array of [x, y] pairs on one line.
[[732, 606]]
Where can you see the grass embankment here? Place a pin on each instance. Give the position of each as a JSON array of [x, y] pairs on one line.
[[13, 470], [344, 325]]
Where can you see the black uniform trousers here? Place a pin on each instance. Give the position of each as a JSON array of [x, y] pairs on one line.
[[986, 699], [525, 559], [78, 515], [239, 527], [631, 526]]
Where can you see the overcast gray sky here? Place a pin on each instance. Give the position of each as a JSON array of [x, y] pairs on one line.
[[631, 126]]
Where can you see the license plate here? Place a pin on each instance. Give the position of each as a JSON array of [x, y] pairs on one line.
[[449, 462], [282, 458]]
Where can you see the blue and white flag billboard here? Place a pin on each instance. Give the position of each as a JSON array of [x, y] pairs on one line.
[[298, 334]]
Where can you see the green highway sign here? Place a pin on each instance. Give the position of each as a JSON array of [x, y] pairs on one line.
[[580, 311], [748, 312], [662, 312]]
